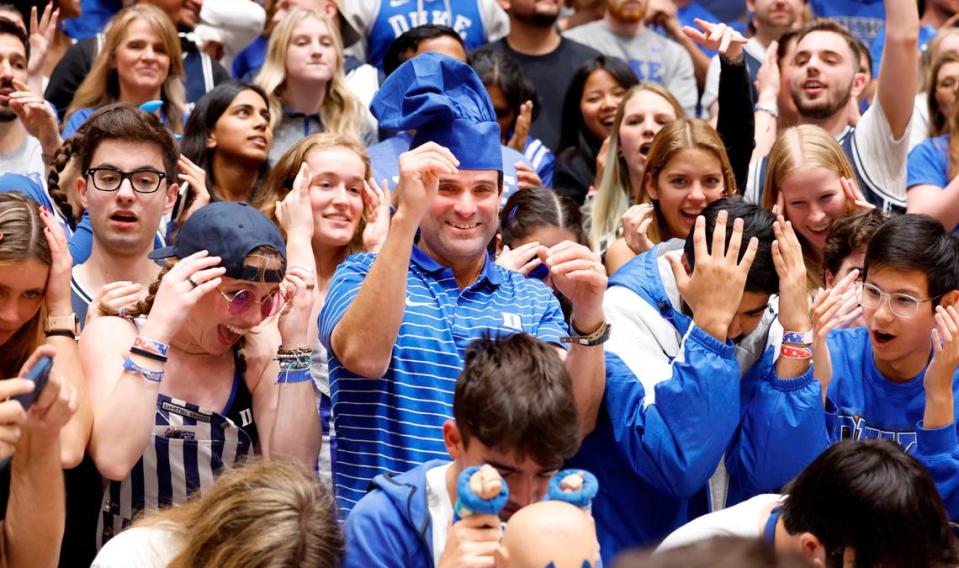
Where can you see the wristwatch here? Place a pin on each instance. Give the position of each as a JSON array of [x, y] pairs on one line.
[[67, 326], [598, 337]]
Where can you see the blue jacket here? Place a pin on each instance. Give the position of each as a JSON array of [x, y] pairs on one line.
[[390, 526], [862, 404], [655, 447]]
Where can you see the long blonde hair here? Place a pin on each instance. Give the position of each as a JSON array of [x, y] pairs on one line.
[[279, 181], [615, 193], [342, 110], [22, 239], [102, 85], [805, 145], [799, 146], [264, 514]]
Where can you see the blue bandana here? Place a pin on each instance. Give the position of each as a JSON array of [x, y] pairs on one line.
[[445, 102]]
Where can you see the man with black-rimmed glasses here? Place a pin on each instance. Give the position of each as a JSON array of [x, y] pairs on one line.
[[128, 187]]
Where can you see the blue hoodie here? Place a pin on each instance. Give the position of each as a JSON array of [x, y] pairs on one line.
[[390, 526], [663, 431], [863, 404]]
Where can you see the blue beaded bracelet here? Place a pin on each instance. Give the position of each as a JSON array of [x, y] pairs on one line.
[[150, 375]]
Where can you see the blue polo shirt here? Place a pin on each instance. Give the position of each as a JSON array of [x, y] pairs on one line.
[[391, 424]]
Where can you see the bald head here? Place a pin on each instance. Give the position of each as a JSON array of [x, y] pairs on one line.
[[549, 532]]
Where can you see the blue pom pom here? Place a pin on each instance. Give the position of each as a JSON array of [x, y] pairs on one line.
[[468, 503], [582, 498]]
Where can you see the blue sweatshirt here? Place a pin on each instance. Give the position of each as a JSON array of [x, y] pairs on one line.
[[655, 447], [391, 525], [862, 404]]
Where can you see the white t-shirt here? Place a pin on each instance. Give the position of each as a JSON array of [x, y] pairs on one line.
[[139, 547], [876, 155], [747, 520], [919, 125], [440, 507]]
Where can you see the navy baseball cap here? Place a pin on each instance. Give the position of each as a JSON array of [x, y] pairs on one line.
[[229, 230]]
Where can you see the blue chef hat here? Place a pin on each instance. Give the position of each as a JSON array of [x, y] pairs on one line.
[[446, 103]]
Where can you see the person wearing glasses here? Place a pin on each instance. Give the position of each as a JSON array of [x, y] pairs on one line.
[[126, 183], [215, 370], [895, 378]]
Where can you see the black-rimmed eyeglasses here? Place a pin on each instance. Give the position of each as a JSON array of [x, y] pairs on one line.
[[110, 179]]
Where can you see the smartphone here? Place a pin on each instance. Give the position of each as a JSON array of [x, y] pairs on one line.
[[38, 375]]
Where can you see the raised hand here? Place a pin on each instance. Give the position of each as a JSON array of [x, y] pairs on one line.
[[523, 259], [831, 309], [113, 299], [41, 36], [854, 195], [195, 177], [521, 127], [37, 117], [526, 176], [180, 289], [578, 273], [294, 213], [715, 288], [939, 411], [376, 202], [58, 296], [791, 268], [420, 170], [636, 221], [717, 37], [295, 317]]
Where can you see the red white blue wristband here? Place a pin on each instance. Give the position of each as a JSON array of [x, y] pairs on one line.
[[801, 353], [151, 346], [798, 337]]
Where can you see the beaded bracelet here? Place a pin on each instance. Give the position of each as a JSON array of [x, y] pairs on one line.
[[150, 375]]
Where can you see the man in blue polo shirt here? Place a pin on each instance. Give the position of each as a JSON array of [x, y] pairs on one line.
[[397, 324]]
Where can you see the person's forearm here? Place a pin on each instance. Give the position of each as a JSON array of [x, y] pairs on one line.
[[938, 203], [735, 122], [75, 436], [587, 368], [123, 423], [899, 68], [297, 433], [36, 513], [363, 339], [939, 411]]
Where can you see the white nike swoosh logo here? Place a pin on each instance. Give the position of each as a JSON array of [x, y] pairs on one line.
[[412, 304]]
